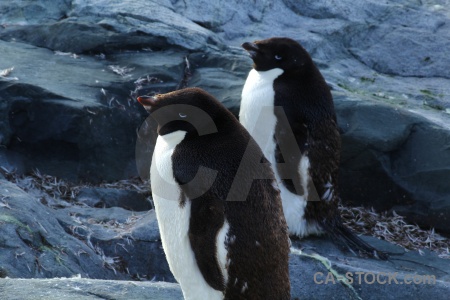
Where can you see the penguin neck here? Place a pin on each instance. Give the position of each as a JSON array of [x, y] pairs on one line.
[[263, 77], [258, 93]]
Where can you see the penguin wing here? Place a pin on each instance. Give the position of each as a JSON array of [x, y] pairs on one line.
[[207, 218], [324, 157], [291, 141]]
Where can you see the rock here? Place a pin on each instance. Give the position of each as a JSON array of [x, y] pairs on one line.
[[86, 289], [129, 240], [388, 160], [68, 109], [103, 243], [221, 74], [109, 197], [102, 26], [310, 278], [74, 143], [34, 245]]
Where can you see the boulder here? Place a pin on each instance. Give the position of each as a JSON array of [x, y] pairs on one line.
[[385, 156], [317, 271], [103, 243], [33, 243], [127, 241], [110, 197], [77, 288], [85, 103]]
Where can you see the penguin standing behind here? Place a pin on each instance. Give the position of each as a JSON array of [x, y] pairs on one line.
[[223, 233], [288, 108]]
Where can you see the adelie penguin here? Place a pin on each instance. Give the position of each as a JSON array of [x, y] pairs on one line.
[[222, 227], [288, 108]]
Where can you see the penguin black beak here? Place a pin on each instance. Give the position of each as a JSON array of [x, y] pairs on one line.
[[251, 48], [147, 101]]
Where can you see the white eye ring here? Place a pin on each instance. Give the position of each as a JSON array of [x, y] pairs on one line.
[[182, 115], [277, 57]]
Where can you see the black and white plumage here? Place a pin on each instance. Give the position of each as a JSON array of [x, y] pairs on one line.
[[288, 108], [216, 249]]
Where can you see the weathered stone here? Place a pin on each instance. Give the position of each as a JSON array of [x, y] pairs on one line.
[[389, 153], [86, 289], [311, 278], [86, 101], [68, 109], [128, 241], [109, 197], [102, 26], [34, 245]]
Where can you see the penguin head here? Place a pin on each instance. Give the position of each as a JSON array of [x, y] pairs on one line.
[[191, 109], [283, 53]]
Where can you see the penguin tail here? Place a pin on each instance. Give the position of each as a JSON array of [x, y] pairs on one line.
[[345, 239]]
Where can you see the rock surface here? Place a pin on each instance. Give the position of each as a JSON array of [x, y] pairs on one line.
[[69, 75], [104, 243], [86, 289], [83, 62], [308, 279]]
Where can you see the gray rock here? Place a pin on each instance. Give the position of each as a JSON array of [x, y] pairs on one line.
[[310, 276], [222, 75], [86, 289], [128, 241], [100, 26], [85, 103], [34, 245], [386, 165], [109, 197], [104, 243], [68, 109], [33, 12]]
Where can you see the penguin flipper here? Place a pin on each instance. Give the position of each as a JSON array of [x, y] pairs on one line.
[[207, 218]]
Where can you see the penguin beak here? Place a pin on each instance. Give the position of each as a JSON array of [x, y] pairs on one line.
[[147, 101], [251, 48]]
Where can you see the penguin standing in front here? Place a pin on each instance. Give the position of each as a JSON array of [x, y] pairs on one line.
[[288, 108], [222, 227]]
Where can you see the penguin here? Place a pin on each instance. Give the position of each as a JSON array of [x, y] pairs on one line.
[[222, 227], [288, 108]]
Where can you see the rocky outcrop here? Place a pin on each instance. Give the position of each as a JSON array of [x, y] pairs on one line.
[[409, 159], [86, 289], [35, 245], [83, 62], [113, 243], [69, 75], [311, 272], [104, 243]]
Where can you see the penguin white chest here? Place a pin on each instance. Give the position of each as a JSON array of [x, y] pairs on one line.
[[257, 107], [258, 117], [173, 221]]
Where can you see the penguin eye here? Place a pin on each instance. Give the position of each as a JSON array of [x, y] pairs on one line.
[[278, 57], [182, 115]]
